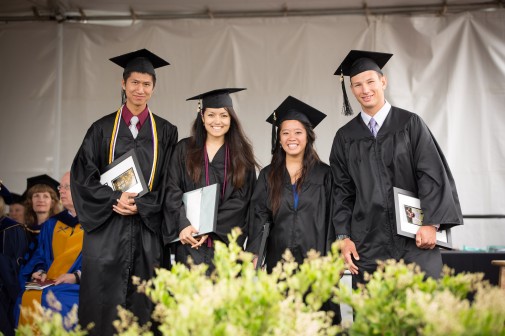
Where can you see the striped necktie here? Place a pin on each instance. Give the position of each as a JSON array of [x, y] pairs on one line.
[[373, 127]]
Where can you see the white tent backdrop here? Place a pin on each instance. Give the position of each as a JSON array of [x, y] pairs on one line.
[[450, 70]]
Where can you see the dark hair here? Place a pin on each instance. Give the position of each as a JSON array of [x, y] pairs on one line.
[[278, 166], [241, 152], [126, 75]]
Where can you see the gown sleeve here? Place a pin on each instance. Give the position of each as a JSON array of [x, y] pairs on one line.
[[92, 200], [328, 188], [150, 205], [41, 258], [436, 187], [259, 213], [232, 212], [343, 191], [15, 246], [174, 213]]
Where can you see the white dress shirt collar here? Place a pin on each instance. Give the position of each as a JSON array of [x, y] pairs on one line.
[[379, 117]]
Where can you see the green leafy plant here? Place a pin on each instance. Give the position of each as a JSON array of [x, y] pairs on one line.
[[238, 300], [398, 300]]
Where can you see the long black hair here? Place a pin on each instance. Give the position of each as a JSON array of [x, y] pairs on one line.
[[278, 166], [241, 152]]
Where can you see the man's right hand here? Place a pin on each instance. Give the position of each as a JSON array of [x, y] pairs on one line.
[[126, 204], [349, 251]]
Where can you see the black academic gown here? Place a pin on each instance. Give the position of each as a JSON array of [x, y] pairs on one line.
[[298, 230], [13, 245], [365, 169], [232, 210], [118, 247]]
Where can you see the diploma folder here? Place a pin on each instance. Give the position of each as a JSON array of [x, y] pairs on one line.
[[39, 285], [263, 246], [124, 174], [407, 202], [201, 208]]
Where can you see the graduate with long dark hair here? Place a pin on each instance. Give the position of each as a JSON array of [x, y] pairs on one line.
[[216, 152], [293, 193]]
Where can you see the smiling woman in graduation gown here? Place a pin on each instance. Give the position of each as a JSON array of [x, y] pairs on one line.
[[223, 155], [301, 221], [117, 247], [293, 193], [299, 228]]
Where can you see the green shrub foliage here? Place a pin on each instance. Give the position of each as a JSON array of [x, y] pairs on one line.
[[238, 300], [398, 300]]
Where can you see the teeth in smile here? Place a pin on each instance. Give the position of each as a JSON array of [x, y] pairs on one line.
[[292, 146]]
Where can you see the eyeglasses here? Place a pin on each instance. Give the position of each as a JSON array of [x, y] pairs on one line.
[[64, 187]]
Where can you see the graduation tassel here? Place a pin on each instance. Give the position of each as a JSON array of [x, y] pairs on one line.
[[274, 134], [346, 108]]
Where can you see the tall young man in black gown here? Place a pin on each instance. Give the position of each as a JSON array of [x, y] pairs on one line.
[[384, 147], [122, 231]]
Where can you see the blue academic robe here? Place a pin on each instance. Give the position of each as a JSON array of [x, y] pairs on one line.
[[59, 228]]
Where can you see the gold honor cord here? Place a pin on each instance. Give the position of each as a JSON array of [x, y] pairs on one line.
[[112, 146], [155, 150]]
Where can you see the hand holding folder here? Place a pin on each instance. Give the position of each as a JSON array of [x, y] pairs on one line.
[[201, 208]]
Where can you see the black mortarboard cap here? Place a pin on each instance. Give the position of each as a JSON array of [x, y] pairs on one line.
[[358, 61], [355, 63], [6, 194], [293, 109], [42, 179], [142, 61], [216, 98], [17, 199]]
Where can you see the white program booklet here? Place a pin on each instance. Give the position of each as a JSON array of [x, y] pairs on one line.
[[201, 208]]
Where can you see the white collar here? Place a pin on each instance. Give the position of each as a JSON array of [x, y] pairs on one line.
[[379, 117]]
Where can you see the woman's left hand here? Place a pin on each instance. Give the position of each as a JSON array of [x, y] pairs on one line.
[[202, 240], [65, 278]]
